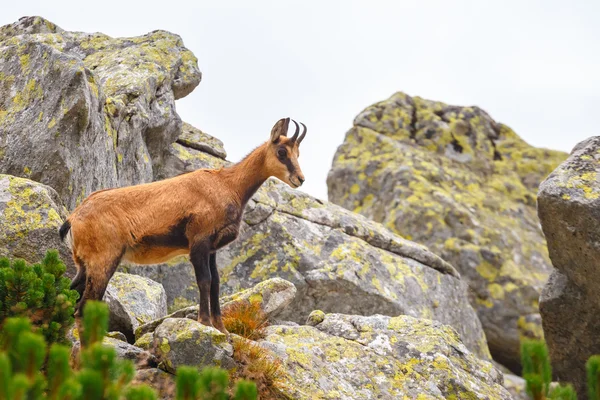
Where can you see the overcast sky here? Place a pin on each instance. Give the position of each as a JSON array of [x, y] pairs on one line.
[[533, 65]]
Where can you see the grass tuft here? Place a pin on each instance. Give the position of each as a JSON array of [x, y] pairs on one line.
[[246, 319]]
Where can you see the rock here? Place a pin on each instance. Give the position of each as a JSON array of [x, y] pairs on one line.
[[133, 301], [274, 295], [193, 150], [30, 215], [117, 335], [465, 186], [342, 262], [516, 387], [356, 357], [162, 382], [569, 208], [141, 357], [81, 112], [182, 341]]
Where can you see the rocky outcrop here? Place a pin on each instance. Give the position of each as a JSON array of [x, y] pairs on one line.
[[569, 209], [183, 341], [357, 357], [464, 185], [81, 112], [273, 296], [30, 215], [133, 301]]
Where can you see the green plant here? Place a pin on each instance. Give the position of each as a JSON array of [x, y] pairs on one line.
[[39, 293], [211, 384], [536, 368], [537, 373], [593, 377]]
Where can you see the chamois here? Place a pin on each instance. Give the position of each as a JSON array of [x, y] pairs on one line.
[[194, 213]]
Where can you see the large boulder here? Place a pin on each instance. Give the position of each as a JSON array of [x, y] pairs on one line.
[[569, 209], [183, 341], [30, 215], [464, 185], [81, 112], [133, 301], [357, 357]]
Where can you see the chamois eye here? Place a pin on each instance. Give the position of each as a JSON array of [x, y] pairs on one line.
[[281, 153]]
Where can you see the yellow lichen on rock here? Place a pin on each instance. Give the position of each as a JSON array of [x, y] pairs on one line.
[[454, 179]]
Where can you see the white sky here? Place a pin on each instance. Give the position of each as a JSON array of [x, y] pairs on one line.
[[533, 65]]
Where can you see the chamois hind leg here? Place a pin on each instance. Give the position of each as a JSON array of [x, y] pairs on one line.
[[78, 283], [215, 307], [98, 274], [199, 255]]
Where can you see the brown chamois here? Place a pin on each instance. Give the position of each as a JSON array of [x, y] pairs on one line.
[[194, 213]]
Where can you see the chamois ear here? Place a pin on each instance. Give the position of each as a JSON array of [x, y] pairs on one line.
[[279, 129]]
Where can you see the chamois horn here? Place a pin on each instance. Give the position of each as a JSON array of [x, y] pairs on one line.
[[301, 138], [293, 138]]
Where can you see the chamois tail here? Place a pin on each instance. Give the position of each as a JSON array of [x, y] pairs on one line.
[[65, 233]]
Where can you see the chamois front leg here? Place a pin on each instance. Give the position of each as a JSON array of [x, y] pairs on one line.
[[215, 307], [199, 255]]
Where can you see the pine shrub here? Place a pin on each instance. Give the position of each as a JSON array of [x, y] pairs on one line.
[[40, 293]]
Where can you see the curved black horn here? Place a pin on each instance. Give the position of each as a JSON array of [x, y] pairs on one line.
[[293, 138], [301, 138]]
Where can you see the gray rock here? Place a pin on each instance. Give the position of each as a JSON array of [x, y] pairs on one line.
[[30, 215], [162, 382], [516, 387], [273, 295], [133, 301], [182, 341], [464, 185], [124, 350], [569, 208], [357, 357], [342, 262], [81, 112]]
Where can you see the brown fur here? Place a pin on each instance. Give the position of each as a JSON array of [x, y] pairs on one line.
[[195, 213]]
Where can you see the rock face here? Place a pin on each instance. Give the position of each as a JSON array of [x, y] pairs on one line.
[[81, 112], [182, 341], [273, 295], [133, 301], [569, 209], [356, 357], [30, 215], [464, 185]]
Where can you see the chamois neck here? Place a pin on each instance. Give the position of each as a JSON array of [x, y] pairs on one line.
[[247, 176]]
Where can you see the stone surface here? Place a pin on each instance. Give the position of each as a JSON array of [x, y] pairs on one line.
[[273, 295], [516, 387], [133, 301], [569, 209], [464, 185], [380, 357], [182, 341], [81, 112], [141, 357], [162, 382], [30, 215]]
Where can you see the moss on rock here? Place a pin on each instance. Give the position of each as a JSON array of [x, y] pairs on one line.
[[464, 185]]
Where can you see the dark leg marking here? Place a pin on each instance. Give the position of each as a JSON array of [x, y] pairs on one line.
[[78, 283], [215, 307], [95, 286], [199, 256]]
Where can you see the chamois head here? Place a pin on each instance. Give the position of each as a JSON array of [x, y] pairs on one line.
[[282, 153]]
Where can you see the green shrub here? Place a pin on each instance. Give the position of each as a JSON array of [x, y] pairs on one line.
[[211, 384], [537, 373], [40, 293]]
